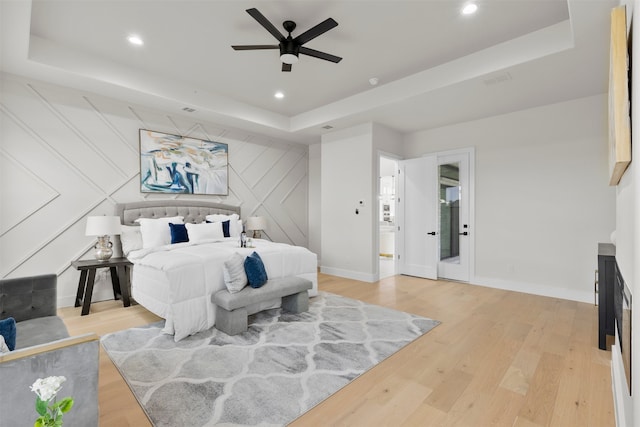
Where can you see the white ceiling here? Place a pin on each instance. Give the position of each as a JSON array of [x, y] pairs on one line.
[[435, 67]]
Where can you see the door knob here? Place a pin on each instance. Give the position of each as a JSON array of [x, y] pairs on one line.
[[464, 234], [433, 233]]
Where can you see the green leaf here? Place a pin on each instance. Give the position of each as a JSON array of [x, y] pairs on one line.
[[41, 407], [65, 404], [39, 422]]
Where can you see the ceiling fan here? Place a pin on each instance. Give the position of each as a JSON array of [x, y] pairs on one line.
[[291, 47]]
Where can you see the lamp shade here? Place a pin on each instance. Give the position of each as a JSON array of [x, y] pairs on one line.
[[256, 223], [102, 226]]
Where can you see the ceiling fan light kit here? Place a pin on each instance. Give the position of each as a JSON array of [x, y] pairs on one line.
[[290, 47]]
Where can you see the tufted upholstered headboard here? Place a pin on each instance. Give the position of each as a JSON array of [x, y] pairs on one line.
[[194, 211]]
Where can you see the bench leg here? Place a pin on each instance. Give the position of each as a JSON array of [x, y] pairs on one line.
[[232, 322], [296, 303]]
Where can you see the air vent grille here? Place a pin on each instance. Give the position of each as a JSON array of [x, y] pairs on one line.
[[500, 78]]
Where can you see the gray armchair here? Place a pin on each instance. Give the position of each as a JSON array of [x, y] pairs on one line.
[[43, 349]]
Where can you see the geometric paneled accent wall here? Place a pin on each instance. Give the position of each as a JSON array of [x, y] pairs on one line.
[[66, 154]]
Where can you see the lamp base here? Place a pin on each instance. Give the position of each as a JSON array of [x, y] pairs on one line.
[[103, 248], [257, 234]]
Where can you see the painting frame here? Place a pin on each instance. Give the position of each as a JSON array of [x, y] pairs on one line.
[[176, 164], [619, 100]]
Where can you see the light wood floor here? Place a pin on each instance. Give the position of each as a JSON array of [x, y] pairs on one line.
[[498, 359]]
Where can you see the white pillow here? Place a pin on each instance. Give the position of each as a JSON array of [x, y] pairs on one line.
[[131, 239], [156, 231], [5, 349], [234, 275], [206, 231], [235, 224]]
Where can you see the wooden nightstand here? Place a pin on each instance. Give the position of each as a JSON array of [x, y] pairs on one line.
[[119, 279]]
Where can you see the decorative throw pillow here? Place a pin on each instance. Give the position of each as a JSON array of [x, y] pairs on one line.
[[206, 231], [178, 233], [234, 275], [131, 239], [155, 231], [254, 268], [225, 228], [3, 346], [8, 331]]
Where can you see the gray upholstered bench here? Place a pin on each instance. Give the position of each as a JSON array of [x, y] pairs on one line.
[[233, 309]]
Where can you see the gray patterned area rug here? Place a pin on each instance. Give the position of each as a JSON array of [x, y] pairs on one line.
[[284, 365]]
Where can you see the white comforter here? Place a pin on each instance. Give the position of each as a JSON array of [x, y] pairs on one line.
[[192, 272]]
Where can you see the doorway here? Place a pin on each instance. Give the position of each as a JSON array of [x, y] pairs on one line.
[[387, 225], [435, 213]]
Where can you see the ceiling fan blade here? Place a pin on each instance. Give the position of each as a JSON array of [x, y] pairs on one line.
[[314, 32], [255, 47], [318, 54], [286, 67], [265, 23]]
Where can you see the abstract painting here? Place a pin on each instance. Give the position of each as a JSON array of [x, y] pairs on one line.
[[181, 165]]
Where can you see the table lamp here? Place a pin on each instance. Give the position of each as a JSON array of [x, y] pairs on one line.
[[102, 227], [257, 224]]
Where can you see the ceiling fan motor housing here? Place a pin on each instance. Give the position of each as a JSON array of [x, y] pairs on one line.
[[289, 47]]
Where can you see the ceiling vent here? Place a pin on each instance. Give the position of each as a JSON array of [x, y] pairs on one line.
[[327, 127], [189, 110], [500, 78]]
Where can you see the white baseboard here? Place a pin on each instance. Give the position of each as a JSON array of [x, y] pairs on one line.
[[535, 289], [98, 295], [347, 274], [622, 401]]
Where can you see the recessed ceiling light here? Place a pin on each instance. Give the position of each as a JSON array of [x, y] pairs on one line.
[[470, 9], [279, 95], [136, 40]]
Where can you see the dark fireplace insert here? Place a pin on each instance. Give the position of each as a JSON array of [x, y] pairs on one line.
[[622, 310]]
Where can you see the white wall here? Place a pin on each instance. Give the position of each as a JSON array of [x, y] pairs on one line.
[[315, 225], [66, 154], [346, 174], [632, 262], [628, 238], [542, 199]]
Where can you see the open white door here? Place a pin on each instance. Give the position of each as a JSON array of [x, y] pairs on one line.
[[418, 217]]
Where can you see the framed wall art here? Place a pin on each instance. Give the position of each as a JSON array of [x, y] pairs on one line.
[[619, 101], [182, 165]]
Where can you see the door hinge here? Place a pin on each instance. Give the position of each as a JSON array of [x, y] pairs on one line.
[[398, 228], [398, 256]]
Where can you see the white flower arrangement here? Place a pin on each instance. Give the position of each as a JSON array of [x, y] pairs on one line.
[[50, 414]]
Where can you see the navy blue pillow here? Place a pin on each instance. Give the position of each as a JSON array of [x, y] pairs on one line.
[[8, 331], [178, 233], [225, 227], [254, 268]]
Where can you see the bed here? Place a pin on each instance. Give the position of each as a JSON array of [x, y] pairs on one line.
[[176, 281]]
